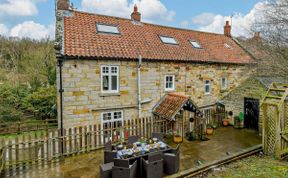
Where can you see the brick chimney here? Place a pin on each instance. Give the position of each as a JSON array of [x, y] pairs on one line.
[[63, 4], [257, 36], [227, 29], [135, 14]]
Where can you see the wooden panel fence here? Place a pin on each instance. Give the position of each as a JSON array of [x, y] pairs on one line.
[[39, 149], [27, 126]]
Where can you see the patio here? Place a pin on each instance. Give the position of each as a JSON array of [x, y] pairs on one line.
[[225, 140]]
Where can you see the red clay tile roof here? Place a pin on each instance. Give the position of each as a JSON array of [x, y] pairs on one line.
[[169, 105], [82, 40]]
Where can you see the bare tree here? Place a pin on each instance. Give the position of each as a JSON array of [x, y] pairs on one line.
[[274, 25]]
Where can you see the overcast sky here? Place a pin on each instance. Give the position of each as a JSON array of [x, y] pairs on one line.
[[35, 18]]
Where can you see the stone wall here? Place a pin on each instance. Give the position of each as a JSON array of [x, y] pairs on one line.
[[83, 101], [251, 88]]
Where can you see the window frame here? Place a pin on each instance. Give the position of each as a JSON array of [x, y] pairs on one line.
[[226, 83], [105, 32], [205, 84], [165, 36], [110, 79], [173, 83], [112, 120], [191, 42]]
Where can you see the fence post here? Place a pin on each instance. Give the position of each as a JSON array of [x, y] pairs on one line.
[[42, 147], [85, 139], [36, 147], [80, 139], [3, 158], [75, 140], [70, 140]]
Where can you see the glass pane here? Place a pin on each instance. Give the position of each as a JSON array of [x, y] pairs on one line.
[[117, 115], [195, 44], [106, 116], [107, 28], [114, 70], [207, 89], [119, 123], [223, 82], [114, 83], [168, 40], [105, 70], [105, 83]]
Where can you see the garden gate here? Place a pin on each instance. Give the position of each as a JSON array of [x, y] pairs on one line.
[[274, 108]]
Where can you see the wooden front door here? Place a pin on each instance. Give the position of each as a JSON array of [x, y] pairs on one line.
[[251, 113]]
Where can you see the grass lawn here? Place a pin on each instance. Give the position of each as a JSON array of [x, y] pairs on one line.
[[252, 167]]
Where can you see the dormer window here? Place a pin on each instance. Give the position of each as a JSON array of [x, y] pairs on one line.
[[104, 28], [195, 44], [168, 40]]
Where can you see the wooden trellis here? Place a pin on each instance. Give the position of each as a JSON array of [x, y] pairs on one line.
[[274, 108]]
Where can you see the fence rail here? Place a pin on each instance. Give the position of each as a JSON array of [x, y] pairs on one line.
[[27, 126], [37, 149]]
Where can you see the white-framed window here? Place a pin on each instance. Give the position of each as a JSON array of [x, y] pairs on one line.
[[109, 79], [207, 87], [169, 82], [109, 121], [224, 83]]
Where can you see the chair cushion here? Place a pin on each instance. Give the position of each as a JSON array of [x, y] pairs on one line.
[[107, 166]]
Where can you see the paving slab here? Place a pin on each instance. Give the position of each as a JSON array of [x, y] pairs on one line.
[[224, 141]]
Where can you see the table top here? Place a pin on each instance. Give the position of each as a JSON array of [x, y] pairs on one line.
[[142, 149]]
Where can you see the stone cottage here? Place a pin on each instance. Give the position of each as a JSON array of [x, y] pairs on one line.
[[113, 68], [247, 97]]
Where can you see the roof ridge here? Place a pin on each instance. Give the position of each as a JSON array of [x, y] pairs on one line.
[[147, 23]]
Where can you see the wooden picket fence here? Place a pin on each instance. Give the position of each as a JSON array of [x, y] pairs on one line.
[[46, 147], [214, 114]]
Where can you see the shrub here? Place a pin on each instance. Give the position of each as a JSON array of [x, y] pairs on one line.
[[42, 102], [11, 97]]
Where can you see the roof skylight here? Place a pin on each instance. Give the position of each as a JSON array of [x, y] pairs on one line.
[[104, 28], [195, 44], [168, 40], [227, 46]]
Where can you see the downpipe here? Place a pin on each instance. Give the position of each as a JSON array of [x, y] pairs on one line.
[[61, 90], [139, 86]]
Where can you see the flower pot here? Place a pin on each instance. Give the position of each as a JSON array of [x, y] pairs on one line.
[[177, 139], [225, 122], [209, 131]]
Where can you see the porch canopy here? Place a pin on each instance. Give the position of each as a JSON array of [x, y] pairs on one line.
[[172, 103]]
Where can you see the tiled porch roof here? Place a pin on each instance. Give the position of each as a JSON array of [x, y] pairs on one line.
[[170, 105]]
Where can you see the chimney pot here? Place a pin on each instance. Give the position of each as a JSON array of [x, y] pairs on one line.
[[62, 4], [257, 36], [227, 29], [135, 14]]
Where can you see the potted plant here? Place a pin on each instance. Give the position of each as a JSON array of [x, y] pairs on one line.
[[177, 138], [225, 122], [191, 136], [209, 129]]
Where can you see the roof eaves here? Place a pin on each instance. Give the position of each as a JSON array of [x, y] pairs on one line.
[[72, 57]]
